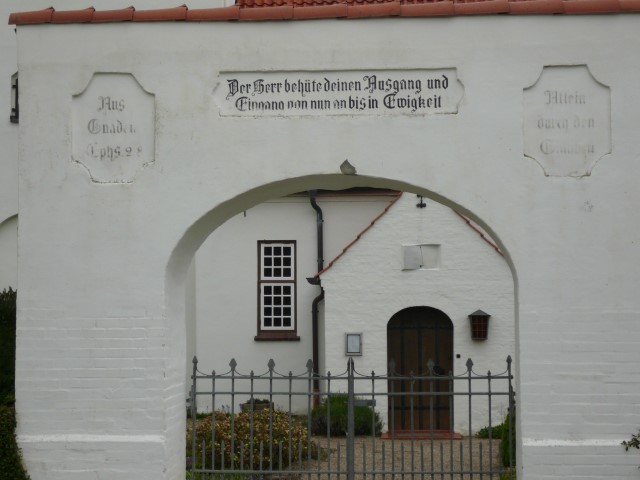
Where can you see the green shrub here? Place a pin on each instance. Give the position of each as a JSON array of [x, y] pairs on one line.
[[7, 345], [508, 452], [10, 461], [333, 409], [496, 431], [633, 442], [284, 435]]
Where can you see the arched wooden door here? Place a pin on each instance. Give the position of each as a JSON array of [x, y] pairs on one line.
[[414, 336]]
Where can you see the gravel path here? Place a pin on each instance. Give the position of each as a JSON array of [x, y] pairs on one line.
[[407, 460]]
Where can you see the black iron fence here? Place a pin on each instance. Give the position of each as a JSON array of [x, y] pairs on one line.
[[352, 425]]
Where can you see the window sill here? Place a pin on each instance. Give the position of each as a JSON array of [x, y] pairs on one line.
[[277, 336]]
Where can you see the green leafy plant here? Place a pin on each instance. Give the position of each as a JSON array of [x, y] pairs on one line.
[[634, 442], [10, 459], [7, 344], [496, 431], [332, 414], [252, 448], [508, 443]]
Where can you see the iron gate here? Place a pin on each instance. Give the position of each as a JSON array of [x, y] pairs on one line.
[[265, 426]]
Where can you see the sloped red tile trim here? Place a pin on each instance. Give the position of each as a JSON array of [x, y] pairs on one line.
[[73, 16], [359, 235], [433, 9], [267, 13], [591, 6], [536, 6], [629, 5], [209, 14], [121, 15], [338, 10], [481, 7], [389, 9], [161, 15], [307, 9], [31, 18]]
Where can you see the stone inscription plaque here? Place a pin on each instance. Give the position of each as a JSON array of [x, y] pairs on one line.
[[356, 92], [113, 130], [567, 121]]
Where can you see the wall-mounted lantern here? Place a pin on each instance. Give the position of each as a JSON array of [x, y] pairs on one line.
[[479, 325], [15, 107]]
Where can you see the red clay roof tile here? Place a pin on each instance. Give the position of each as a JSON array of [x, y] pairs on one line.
[[536, 6], [29, 18], [629, 5], [121, 15], [209, 14], [73, 16], [267, 13], [161, 14], [337, 10], [307, 9], [430, 9], [474, 7], [591, 6], [387, 9]]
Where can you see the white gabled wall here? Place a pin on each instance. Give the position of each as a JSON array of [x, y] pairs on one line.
[[368, 285]]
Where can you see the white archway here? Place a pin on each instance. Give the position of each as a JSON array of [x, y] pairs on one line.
[[200, 229]]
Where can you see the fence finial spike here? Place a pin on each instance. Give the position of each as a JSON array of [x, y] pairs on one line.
[[469, 364], [195, 360], [430, 365], [509, 359], [271, 364], [309, 365], [233, 364], [392, 366]]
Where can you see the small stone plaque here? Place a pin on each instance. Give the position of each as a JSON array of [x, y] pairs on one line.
[[113, 127], [352, 92], [567, 121]]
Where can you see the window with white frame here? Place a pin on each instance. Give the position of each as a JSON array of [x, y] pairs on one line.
[[277, 290]]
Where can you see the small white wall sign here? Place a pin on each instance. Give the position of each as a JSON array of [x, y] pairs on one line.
[[113, 127], [353, 344], [567, 121]]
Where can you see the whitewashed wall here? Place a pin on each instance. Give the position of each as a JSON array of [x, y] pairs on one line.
[[367, 286], [103, 267]]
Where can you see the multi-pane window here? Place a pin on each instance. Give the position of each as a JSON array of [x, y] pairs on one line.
[[277, 287]]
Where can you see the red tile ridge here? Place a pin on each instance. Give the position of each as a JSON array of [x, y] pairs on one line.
[[308, 9], [536, 6], [480, 7], [431, 9], [161, 14], [469, 222], [591, 6], [336, 10], [267, 13], [120, 15], [629, 5], [387, 9], [211, 14], [73, 16], [359, 236], [31, 18]]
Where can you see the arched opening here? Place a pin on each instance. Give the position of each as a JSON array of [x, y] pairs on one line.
[[419, 337], [178, 276]]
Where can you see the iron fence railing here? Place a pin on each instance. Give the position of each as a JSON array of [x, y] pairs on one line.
[[275, 425]]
